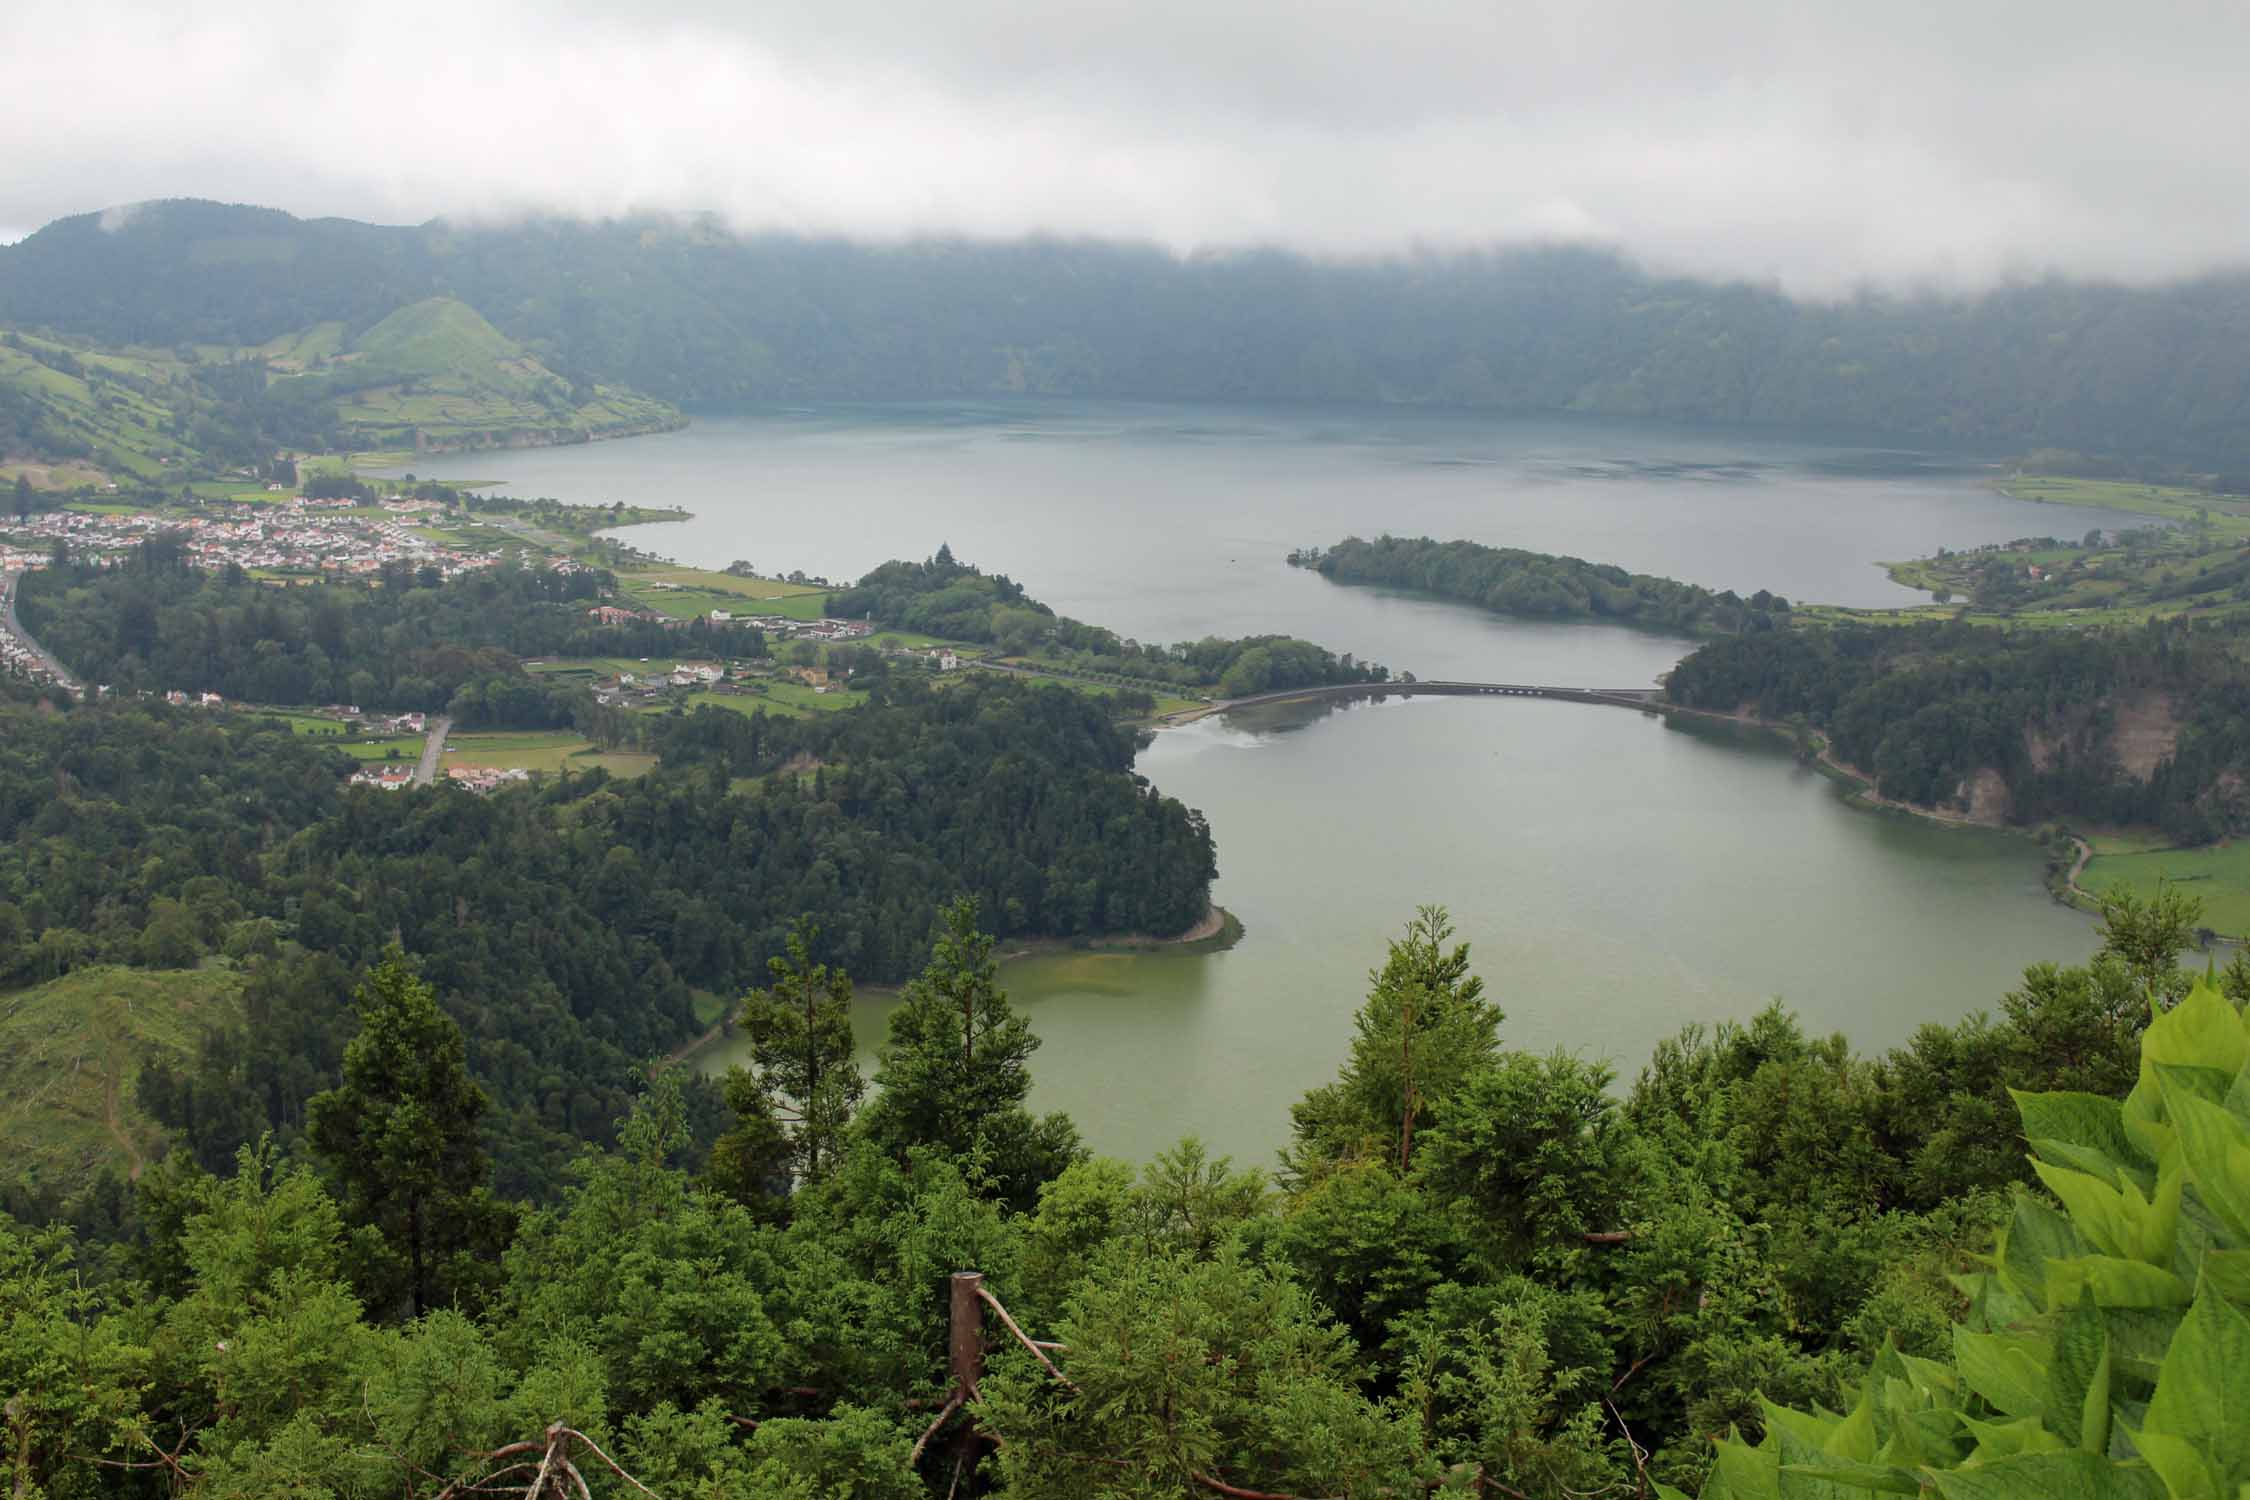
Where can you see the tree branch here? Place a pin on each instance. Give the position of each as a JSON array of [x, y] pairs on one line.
[[1026, 1340]]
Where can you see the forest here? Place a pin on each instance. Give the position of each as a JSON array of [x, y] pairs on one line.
[[1924, 708], [944, 597], [568, 928], [1768, 1268], [1510, 581], [685, 310], [405, 640]]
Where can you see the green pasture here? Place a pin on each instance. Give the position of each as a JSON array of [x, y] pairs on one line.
[[541, 752], [2218, 875]]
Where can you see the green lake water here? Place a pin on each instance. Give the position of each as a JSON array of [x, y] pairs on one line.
[[1618, 877]]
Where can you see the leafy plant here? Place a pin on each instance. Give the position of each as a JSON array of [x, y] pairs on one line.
[[2106, 1351]]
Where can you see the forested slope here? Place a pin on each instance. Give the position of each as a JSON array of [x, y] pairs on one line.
[[2147, 726], [1540, 585], [1483, 1270], [946, 597], [567, 928], [686, 311]]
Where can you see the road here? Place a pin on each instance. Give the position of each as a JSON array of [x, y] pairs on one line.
[[432, 748], [9, 622]]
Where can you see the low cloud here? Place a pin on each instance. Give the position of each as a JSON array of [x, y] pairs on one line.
[[1821, 144]]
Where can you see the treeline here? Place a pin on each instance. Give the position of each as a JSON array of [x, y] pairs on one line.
[[1925, 708], [688, 311], [414, 641], [1482, 1270], [944, 597], [566, 927], [1510, 581]]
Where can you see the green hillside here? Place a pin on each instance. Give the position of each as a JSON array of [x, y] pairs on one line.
[[72, 415], [70, 1051], [434, 374], [2158, 377]]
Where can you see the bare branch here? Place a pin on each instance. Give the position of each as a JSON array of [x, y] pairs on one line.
[[1025, 1340], [952, 1405], [605, 1458]]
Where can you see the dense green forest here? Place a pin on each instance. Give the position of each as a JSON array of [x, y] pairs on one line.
[[567, 927], [412, 642], [1924, 708], [684, 310], [1510, 581], [1481, 1271], [944, 597]]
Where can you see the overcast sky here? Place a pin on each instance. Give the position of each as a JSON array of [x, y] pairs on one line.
[[1820, 142]]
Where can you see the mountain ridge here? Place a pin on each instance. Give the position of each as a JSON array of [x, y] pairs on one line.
[[688, 312]]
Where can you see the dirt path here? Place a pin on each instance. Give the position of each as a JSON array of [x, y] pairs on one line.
[[689, 1048], [1213, 923]]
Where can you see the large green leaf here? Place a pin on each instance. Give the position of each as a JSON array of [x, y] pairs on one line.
[[2227, 1272], [2078, 1378], [2034, 1235], [2008, 1370], [1741, 1472], [2115, 1283], [2117, 1220], [2069, 1475], [1878, 1477], [2216, 1147], [2203, 1395], [2186, 1476], [2079, 1130], [2202, 1031]]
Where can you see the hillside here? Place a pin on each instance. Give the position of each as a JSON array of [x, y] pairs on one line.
[[435, 375], [70, 1051], [686, 311], [71, 416]]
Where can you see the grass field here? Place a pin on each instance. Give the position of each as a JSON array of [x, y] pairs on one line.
[[407, 748], [793, 698], [71, 1049], [697, 591], [542, 753], [2218, 875]]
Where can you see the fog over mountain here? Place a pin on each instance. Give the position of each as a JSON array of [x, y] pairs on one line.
[[1819, 145]]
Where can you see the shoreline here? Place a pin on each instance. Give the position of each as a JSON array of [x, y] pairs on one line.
[[1218, 931]]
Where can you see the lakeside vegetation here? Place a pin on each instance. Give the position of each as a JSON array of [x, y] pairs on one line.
[[1480, 1268], [1539, 585], [954, 600]]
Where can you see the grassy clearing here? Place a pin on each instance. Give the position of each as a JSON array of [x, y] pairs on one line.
[[71, 1049], [2218, 875], [543, 753], [687, 592], [781, 697]]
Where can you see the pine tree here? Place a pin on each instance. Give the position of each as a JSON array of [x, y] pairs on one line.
[[801, 1040], [956, 1074], [400, 1139]]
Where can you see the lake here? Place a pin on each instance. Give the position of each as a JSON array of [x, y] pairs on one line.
[[1617, 876]]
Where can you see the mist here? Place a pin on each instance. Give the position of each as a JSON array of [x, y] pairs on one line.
[[1820, 147]]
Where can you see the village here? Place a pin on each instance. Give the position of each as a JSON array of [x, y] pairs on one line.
[[286, 536]]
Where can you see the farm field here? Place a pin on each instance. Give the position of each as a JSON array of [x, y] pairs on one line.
[[71, 1049], [792, 698], [541, 752], [688, 592], [2218, 875]]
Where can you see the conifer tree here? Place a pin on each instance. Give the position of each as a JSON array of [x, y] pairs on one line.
[[956, 1073], [800, 1030], [400, 1139]]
